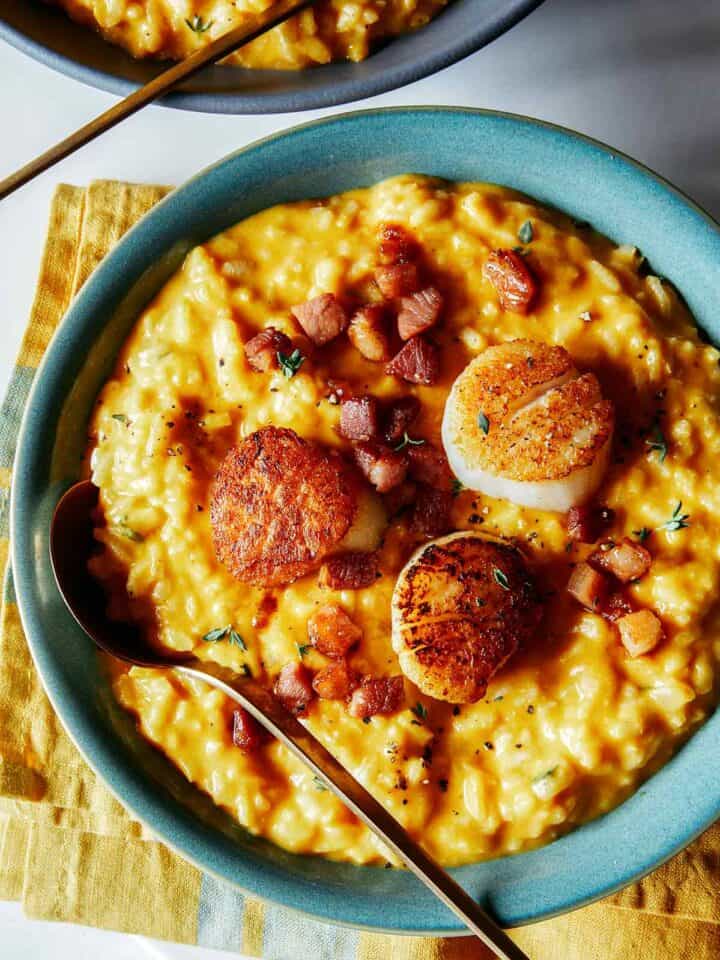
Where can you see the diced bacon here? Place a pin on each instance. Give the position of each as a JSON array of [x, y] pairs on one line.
[[293, 687], [262, 350], [247, 733], [397, 279], [399, 417], [640, 632], [331, 631], [627, 560], [396, 244], [417, 362], [323, 318], [399, 498], [349, 571], [360, 418], [585, 524], [368, 332], [336, 681], [431, 512], [429, 465], [513, 280], [382, 695], [383, 467], [617, 605], [588, 586], [418, 312]]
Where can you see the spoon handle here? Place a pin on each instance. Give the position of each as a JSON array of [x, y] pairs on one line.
[[252, 27], [288, 730]]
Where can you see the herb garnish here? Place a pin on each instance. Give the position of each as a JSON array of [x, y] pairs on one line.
[[318, 784], [223, 633], [657, 442], [678, 521], [480, 602], [408, 440], [198, 25], [501, 579], [642, 534], [302, 648], [457, 486], [542, 776], [290, 364], [525, 233], [247, 672], [121, 418], [483, 422], [125, 531], [420, 711]]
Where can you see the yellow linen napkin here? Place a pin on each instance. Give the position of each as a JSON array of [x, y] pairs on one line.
[[70, 852]]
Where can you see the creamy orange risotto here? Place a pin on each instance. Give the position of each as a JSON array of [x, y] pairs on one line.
[[330, 30], [583, 702]]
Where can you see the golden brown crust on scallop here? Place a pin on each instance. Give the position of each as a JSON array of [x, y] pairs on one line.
[[461, 607], [280, 504], [535, 430]]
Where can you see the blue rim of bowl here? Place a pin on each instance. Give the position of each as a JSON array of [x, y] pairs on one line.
[[347, 91], [129, 789]]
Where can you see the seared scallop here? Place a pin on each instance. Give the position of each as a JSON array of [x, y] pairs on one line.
[[461, 607], [522, 423], [281, 504]]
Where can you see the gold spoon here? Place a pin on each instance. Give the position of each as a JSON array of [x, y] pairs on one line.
[[72, 543], [253, 26]]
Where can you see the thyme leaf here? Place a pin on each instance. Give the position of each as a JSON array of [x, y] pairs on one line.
[[408, 440], [678, 520], [657, 442], [420, 711], [501, 579], [483, 422], [290, 363], [198, 25], [525, 233]]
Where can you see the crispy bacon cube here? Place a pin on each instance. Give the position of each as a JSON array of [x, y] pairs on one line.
[[383, 467], [417, 362], [261, 351], [640, 632], [332, 631], [398, 279], [293, 687], [627, 560], [247, 733], [360, 418], [513, 280], [368, 332], [418, 312], [588, 586], [428, 464], [323, 318], [396, 244], [353, 570], [399, 417], [431, 511], [586, 523], [336, 681], [381, 695]]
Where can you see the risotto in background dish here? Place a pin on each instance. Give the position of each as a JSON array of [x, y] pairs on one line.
[[275, 494], [331, 30]]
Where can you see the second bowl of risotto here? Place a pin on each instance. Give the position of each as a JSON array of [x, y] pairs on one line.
[[426, 445], [335, 52]]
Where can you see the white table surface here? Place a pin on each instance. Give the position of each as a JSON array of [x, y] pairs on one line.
[[641, 75]]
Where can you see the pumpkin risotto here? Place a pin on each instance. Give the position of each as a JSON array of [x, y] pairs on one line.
[[330, 30], [270, 458]]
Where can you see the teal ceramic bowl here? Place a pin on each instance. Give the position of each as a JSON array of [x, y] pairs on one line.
[[584, 178]]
